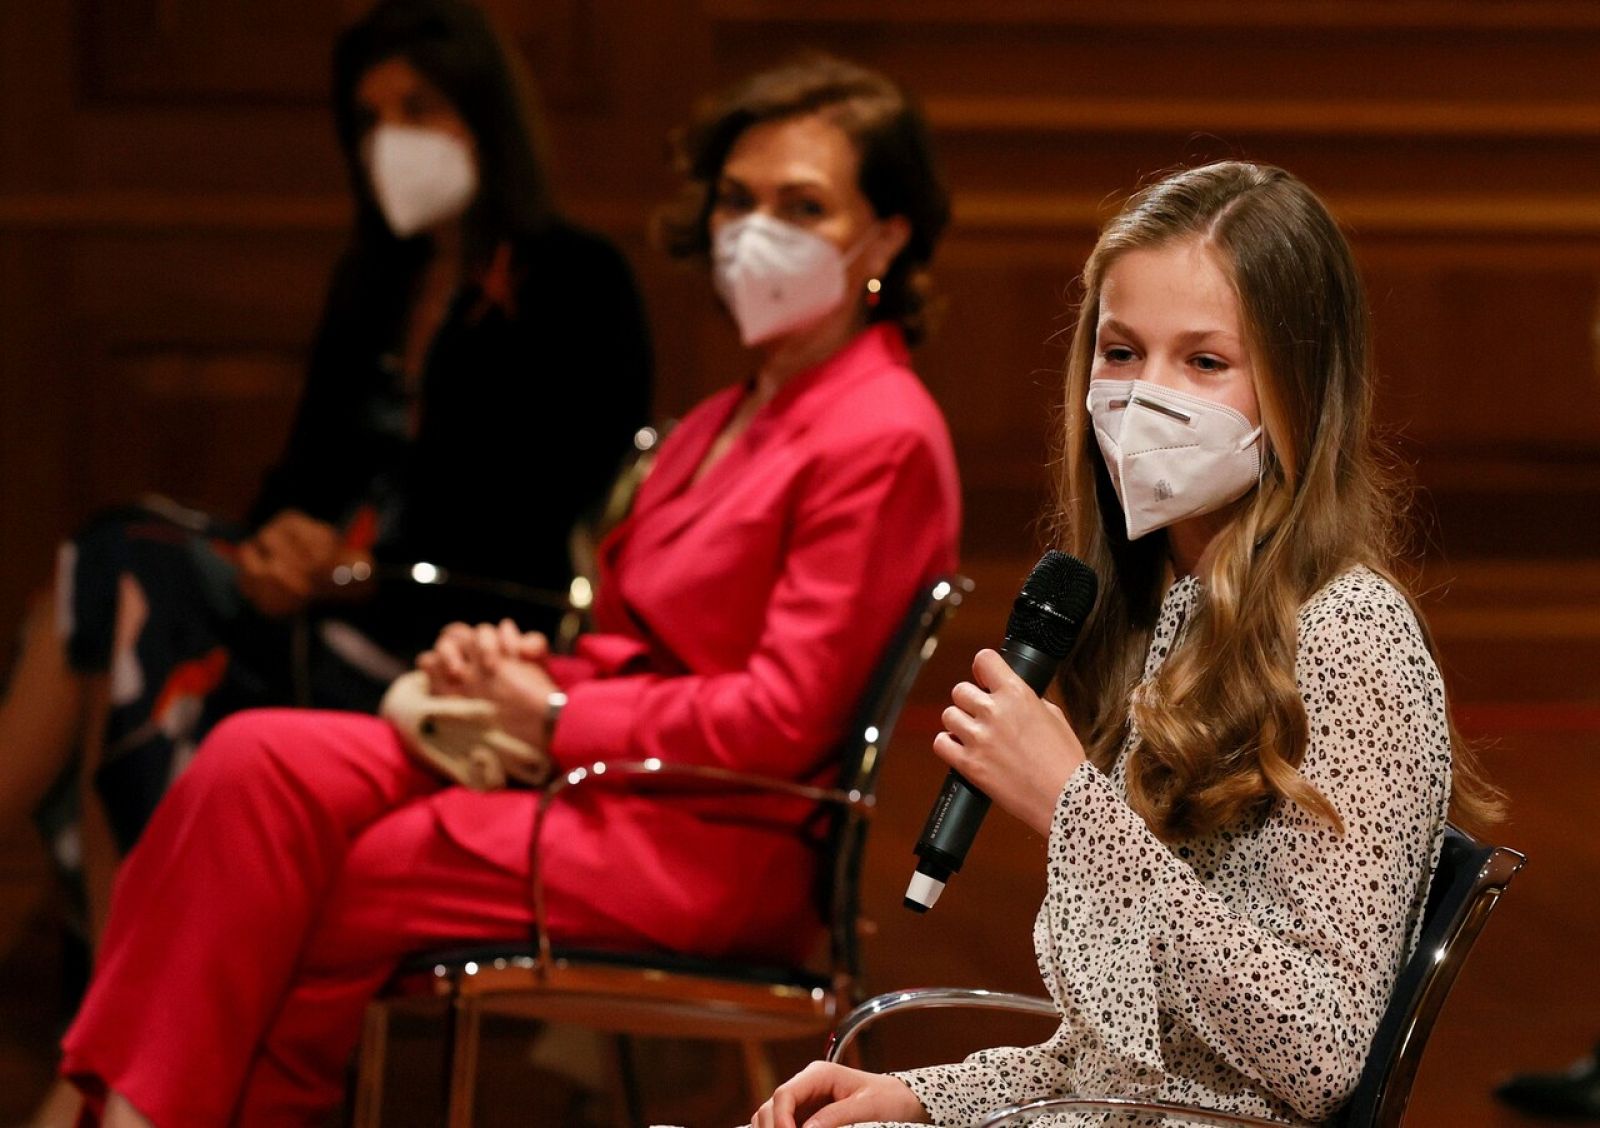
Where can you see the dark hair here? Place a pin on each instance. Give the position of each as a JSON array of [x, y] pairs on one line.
[[453, 45], [899, 175]]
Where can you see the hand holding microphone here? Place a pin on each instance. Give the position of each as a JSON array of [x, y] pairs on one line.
[[1001, 732], [1008, 742]]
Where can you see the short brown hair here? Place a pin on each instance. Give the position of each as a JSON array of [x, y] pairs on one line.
[[898, 176]]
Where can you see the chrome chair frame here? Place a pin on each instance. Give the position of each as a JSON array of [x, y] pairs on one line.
[[646, 994], [1467, 885]]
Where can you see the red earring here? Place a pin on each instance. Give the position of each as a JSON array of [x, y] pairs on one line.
[[874, 292]]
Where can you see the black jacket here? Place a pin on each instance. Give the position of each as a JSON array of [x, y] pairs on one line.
[[531, 394]]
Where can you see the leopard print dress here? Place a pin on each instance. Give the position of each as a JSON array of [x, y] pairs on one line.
[[1247, 969]]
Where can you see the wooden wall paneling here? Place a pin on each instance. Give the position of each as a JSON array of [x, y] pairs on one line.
[[266, 151], [1553, 16], [199, 341], [35, 95], [562, 45], [1513, 366], [994, 363], [1200, 62], [1478, 353], [1079, 107], [695, 352], [187, 50], [197, 425], [216, 287], [1492, 399], [193, 95], [615, 77], [1426, 181], [39, 451]]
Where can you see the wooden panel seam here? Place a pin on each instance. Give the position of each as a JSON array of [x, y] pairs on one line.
[[978, 213], [1353, 15], [1561, 120], [1465, 214], [160, 212]]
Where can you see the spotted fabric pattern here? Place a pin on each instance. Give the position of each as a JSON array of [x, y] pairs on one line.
[[1245, 970]]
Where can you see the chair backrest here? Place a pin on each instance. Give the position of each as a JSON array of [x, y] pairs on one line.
[[611, 510], [861, 757], [1466, 887]]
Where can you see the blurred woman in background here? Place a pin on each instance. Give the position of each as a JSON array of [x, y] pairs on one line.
[[472, 340]]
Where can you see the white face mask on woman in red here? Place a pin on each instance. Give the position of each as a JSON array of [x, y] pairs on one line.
[[775, 276]]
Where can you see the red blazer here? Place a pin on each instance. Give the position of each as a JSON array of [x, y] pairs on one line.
[[738, 619]]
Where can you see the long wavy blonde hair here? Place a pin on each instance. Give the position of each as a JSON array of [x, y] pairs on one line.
[[1222, 725]]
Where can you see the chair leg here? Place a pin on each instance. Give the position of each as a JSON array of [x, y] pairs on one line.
[[465, 1022], [758, 1071], [629, 1106], [369, 1071]]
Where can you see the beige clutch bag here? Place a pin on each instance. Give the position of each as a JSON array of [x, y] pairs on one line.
[[460, 737]]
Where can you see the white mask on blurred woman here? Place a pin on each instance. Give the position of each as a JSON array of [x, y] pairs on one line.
[[1171, 455], [420, 177], [775, 276]]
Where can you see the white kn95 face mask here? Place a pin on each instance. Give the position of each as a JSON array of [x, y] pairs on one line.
[[420, 177], [775, 276], [1171, 455]]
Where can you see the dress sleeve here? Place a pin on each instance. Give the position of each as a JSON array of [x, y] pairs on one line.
[[1285, 981], [872, 525], [965, 1092]]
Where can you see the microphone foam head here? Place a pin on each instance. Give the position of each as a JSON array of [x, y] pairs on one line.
[[1054, 601]]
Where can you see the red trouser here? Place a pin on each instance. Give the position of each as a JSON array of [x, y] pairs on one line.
[[280, 881]]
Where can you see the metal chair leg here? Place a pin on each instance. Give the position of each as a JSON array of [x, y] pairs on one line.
[[369, 1071], [630, 1105], [466, 1018]]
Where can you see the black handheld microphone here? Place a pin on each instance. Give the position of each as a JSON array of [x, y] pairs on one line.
[[1045, 620]]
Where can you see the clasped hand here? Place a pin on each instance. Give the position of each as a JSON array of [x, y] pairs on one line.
[[498, 663], [289, 562], [1010, 743]]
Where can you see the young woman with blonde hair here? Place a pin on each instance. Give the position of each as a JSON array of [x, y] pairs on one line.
[[1245, 795]]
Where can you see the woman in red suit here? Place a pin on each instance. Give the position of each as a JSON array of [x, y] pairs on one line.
[[788, 523]]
